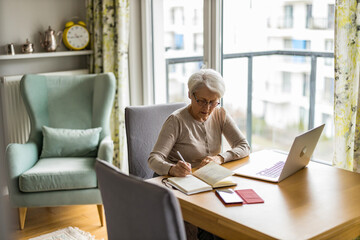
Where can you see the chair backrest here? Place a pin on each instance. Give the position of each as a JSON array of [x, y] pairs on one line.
[[143, 125], [72, 102], [136, 209]]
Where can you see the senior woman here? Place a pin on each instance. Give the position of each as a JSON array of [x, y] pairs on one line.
[[196, 130]]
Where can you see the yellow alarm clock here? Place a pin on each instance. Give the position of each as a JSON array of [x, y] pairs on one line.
[[76, 36]]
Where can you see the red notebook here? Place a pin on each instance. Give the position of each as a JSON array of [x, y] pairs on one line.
[[249, 196]]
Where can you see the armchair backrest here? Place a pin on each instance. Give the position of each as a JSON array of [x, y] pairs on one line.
[[143, 125], [72, 102], [136, 209]]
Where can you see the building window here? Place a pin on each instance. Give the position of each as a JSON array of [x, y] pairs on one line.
[[198, 42], [288, 19], [179, 41], [287, 44], [329, 47], [196, 17], [286, 82], [331, 16], [300, 45], [177, 16], [308, 15], [328, 90], [305, 85]]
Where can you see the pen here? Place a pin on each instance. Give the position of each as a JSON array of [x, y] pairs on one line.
[[181, 157]]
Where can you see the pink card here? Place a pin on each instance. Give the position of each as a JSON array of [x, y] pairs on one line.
[[249, 196]]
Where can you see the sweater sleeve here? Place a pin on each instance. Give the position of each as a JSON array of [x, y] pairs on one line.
[[239, 145], [165, 142]]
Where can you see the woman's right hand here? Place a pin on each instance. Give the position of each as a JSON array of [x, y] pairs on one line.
[[181, 169]]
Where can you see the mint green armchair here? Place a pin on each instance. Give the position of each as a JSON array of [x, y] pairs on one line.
[[70, 128]]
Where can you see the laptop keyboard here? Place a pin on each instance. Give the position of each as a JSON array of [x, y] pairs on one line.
[[274, 171]]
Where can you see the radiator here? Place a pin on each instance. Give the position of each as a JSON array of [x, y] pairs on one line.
[[16, 121]]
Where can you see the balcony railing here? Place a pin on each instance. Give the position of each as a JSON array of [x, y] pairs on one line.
[[250, 56], [311, 23], [281, 23], [320, 23]]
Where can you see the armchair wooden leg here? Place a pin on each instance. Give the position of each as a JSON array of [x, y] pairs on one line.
[[22, 217], [101, 213]]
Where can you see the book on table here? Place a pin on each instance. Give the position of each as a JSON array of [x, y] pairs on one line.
[[210, 176]]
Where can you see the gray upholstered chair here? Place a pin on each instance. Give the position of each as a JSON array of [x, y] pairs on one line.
[[136, 209], [69, 117], [143, 125]]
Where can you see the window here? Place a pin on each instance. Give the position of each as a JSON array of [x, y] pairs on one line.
[[198, 42], [288, 20], [178, 41], [197, 17], [331, 16], [286, 82], [308, 15], [300, 45], [275, 77], [281, 85], [329, 46], [177, 15], [328, 94], [305, 85], [296, 44], [288, 43]]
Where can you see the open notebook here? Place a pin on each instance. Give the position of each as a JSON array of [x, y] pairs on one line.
[[210, 176]]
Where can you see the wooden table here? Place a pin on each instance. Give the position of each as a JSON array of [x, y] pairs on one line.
[[318, 202]]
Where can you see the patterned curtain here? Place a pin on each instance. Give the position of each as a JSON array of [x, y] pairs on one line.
[[346, 106], [108, 24]]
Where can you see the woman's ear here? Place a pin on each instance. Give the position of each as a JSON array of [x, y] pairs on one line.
[[189, 96]]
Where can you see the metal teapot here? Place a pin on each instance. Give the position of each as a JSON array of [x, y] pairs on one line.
[[51, 40], [28, 47]]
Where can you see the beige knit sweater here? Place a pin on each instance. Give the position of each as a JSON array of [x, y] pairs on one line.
[[195, 140]]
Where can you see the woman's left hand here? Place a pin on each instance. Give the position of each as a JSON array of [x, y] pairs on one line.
[[217, 159]]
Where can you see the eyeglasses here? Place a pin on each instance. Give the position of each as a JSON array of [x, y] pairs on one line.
[[204, 103]]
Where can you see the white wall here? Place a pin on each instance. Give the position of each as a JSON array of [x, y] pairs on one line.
[[22, 19]]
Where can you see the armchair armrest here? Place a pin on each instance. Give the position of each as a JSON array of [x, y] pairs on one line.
[[19, 158], [106, 149]]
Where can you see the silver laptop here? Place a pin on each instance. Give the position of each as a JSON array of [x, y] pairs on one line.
[[275, 166]]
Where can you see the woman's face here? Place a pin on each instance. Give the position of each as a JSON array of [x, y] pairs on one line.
[[203, 102]]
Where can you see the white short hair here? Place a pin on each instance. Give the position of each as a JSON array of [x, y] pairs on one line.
[[207, 78]]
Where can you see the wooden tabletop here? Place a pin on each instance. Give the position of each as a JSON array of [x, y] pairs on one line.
[[320, 202]]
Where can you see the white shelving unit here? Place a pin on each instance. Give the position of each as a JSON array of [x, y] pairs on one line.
[[46, 55]]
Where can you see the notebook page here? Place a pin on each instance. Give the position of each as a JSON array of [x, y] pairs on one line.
[[212, 173], [189, 184]]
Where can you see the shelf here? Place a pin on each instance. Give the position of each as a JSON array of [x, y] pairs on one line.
[[46, 55]]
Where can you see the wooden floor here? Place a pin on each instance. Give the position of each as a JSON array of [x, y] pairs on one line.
[[44, 220]]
